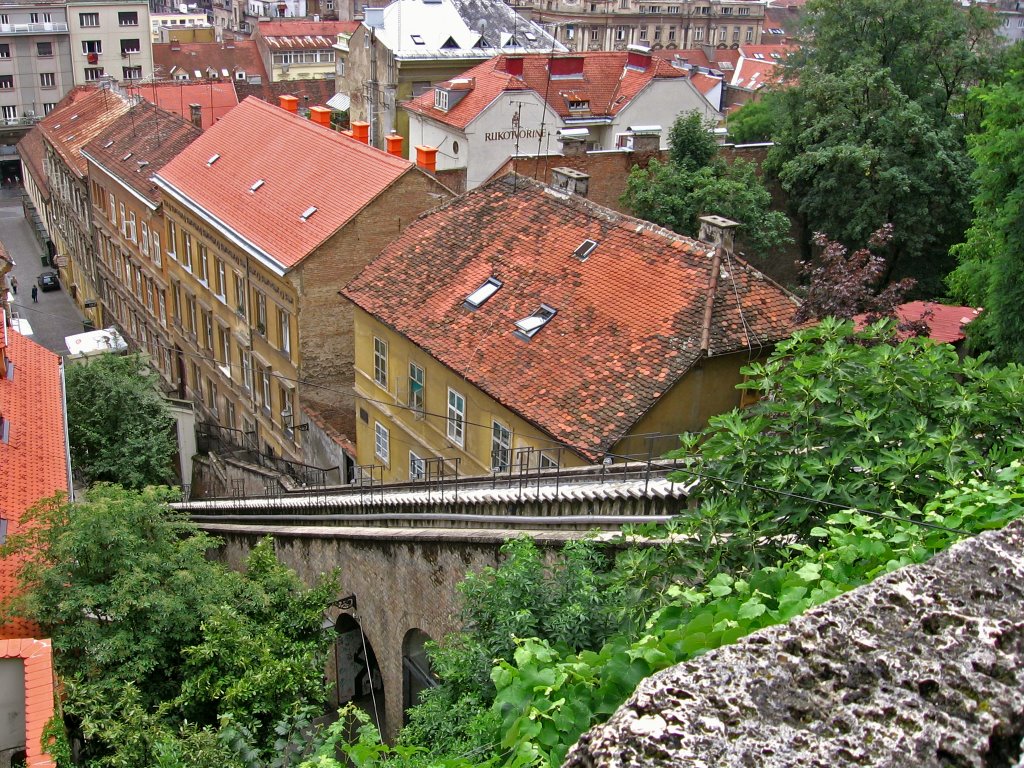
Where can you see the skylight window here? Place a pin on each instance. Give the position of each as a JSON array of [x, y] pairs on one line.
[[307, 213], [483, 293], [527, 327], [108, 145], [127, 156], [585, 249], [213, 159], [418, 39], [259, 183], [530, 36]]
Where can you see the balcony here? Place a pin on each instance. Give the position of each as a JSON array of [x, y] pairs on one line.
[[33, 29]]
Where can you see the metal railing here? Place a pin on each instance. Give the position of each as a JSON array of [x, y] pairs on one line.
[[243, 445], [38, 28]]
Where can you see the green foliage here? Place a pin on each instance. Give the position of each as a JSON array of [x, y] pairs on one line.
[[675, 197], [756, 121], [691, 141], [118, 425], [156, 645], [990, 259]]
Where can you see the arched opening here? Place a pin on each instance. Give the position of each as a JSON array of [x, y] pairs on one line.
[[417, 676], [357, 676]]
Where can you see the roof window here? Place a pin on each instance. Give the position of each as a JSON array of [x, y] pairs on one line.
[[307, 213], [213, 159], [142, 163], [126, 157], [483, 293], [585, 249], [109, 144], [418, 39], [259, 183], [578, 105], [5, 429], [527, 327]]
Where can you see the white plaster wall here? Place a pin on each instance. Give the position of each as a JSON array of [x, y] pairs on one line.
[[660, 103]]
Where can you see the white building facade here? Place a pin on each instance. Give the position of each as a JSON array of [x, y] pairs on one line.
[[110, 40]]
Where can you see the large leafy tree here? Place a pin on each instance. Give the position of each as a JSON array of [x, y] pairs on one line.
[[695, 182], [118, 425], [158, 647], [991, 269]]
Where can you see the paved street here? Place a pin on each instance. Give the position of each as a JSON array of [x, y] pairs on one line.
[[55, 316]]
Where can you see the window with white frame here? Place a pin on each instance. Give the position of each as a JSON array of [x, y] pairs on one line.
[[246, 368], [381, 442], [284, 331], [417, 467], [380, 362], [154, 237], [112, 212], [416, 377], [124, 218], [267, 401], [144, 239], [261, 311], [186, 261], [204, 264], [501, 447], [456, 417], [132, 222], [222, 280]]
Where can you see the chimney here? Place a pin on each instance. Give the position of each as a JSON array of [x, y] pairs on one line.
[[320, 116], [290, 103], [717, 231], [394, 142], [644, 138], [570, 180], [638, 57], [514, 65], [566, 66], [573, 141], [361, 131], [195, 114], [426, 158]]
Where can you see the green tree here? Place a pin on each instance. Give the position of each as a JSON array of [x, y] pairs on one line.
[[756, 121], [691, 141], [118, 425], [158, 647], [991, 259]]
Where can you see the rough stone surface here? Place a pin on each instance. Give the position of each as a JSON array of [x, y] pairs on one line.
[[924, 667]]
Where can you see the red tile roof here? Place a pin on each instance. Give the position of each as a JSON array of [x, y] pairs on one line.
[[140, 143], [945, 323], [302, 164], [34, 457], [215, 99], [80, 116], [37, 660], [629, 319], [606, 83], [311, 92], [31, 151], [304, 35], [231, 56]]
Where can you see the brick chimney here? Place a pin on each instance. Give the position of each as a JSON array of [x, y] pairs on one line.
[[513, 65], [426, 158], [573, 141], [394, 142], [719, 232], [570, 180], [320, 116], [644, 138], [195, 114], [290, 103], [361, 131]]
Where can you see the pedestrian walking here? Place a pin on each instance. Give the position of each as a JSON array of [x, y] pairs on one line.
[[35, 295], [14, 285]]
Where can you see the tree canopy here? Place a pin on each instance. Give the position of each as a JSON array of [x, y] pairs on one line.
[[119, 427]]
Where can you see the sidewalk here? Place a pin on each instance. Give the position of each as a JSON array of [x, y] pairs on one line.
[[55, 316]]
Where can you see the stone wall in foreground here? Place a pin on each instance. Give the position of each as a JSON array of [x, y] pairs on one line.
[[924, 667]]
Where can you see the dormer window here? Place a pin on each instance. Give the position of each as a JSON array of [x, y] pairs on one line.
[[527, 327], [441, 99], [579, 105], [483, 293]]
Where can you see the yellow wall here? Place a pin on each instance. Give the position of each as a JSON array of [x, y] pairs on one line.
[[427, 435]]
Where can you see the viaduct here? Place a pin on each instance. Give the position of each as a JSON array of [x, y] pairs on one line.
[[401, 551]]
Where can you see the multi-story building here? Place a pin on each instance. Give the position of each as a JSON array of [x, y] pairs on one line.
[[127, 214], [30, 151], [163, 26], [516, 104], [35, 64], [82, 114], [110, 39], [402, 50], [236, 60], [268, 216], [548, 331], [607, 25], [296, 49]]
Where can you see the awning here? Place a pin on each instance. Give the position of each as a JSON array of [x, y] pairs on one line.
[[340, 102]]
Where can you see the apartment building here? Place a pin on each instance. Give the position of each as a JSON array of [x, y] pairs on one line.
[[268, 216], [548, 331], [300, 49], [110, 40], [128, 218], [165, 26], [35, 64]]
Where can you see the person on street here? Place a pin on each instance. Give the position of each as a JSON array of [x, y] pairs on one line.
[[14, 285], [35, 295]]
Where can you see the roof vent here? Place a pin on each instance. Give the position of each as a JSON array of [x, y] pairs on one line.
[[259, 183], [483, 293], [213, 159], [528, 327], [307, 213]]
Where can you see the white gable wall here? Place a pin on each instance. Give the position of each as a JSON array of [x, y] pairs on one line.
[[660, 103]]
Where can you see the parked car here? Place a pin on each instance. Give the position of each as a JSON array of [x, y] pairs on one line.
[[48, 281]]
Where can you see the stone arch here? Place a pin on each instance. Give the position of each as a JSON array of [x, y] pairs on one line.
[[356, 671], [417, 675]]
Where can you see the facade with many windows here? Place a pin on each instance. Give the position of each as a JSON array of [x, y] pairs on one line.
[[268, 216], [127, 214], [110, 40]]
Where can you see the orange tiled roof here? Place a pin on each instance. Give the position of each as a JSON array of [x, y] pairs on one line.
[[80, 116], [945, 323], [215, 99], [231, 56], [302, 165], [629, 319], [298, 34], [140, 143], [30, 150], [34, 456], [311, 92], [605, 82], [37, 661]]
